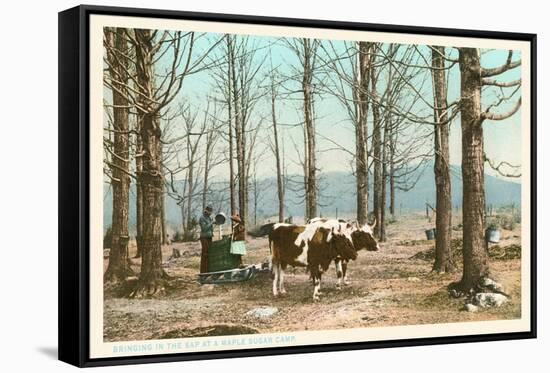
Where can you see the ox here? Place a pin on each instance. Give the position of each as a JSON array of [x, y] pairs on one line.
[[316, 253], [362, 238]]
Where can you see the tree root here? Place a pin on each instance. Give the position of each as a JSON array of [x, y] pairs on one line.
[[483, 285], [148, 289], [165, 276], [116, 275]]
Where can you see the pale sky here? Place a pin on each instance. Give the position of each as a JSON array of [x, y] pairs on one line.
[[502, 138]]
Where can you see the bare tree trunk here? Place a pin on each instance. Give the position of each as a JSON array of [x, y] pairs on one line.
[[393, 144], [311, 186], [230, 69], [183, 203], [205, 182], [255, 196], [183, 217], [239, 134], [476, 263], [245, 163], [232, 203], [207, 151], [443, 259], [392, 189], [361, 134], [119, 268], [384, 182], [163, 239], [139, 194], [377, 155], [280, 191], [241, 170], [306, 174], [385, 150], [152, 274], [190, 188]]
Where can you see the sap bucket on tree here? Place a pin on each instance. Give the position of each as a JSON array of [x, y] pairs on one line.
[[492, 234], [430, 234]]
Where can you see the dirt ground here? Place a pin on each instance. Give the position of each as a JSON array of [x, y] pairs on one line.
[[393, 286]]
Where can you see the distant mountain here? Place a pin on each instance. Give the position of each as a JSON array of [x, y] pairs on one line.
[[337, 191]]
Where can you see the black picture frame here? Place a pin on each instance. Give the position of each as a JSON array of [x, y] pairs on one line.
[[74, 279]]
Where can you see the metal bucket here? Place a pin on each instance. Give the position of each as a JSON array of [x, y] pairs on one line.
[[492, 235], [220, 218], [430, 234]]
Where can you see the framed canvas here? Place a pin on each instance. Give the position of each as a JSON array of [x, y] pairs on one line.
[[233, 186]]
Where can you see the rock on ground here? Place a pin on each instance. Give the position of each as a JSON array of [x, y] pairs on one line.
[[493, 285], [470, 307], [490, 300], [263, 312]]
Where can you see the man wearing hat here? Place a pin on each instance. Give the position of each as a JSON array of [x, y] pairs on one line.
[[207, 231]]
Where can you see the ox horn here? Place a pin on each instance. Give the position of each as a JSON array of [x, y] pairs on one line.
[[373, 224]]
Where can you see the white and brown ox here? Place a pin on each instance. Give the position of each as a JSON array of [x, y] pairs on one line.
[[316, 251], [362, 237]]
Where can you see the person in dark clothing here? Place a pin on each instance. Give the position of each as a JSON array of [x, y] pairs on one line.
[[207, 231]]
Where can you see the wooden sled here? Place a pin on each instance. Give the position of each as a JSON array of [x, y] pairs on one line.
[[230, 275]]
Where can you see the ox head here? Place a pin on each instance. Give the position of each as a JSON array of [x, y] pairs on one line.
[[342, 243], [363, 237]]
